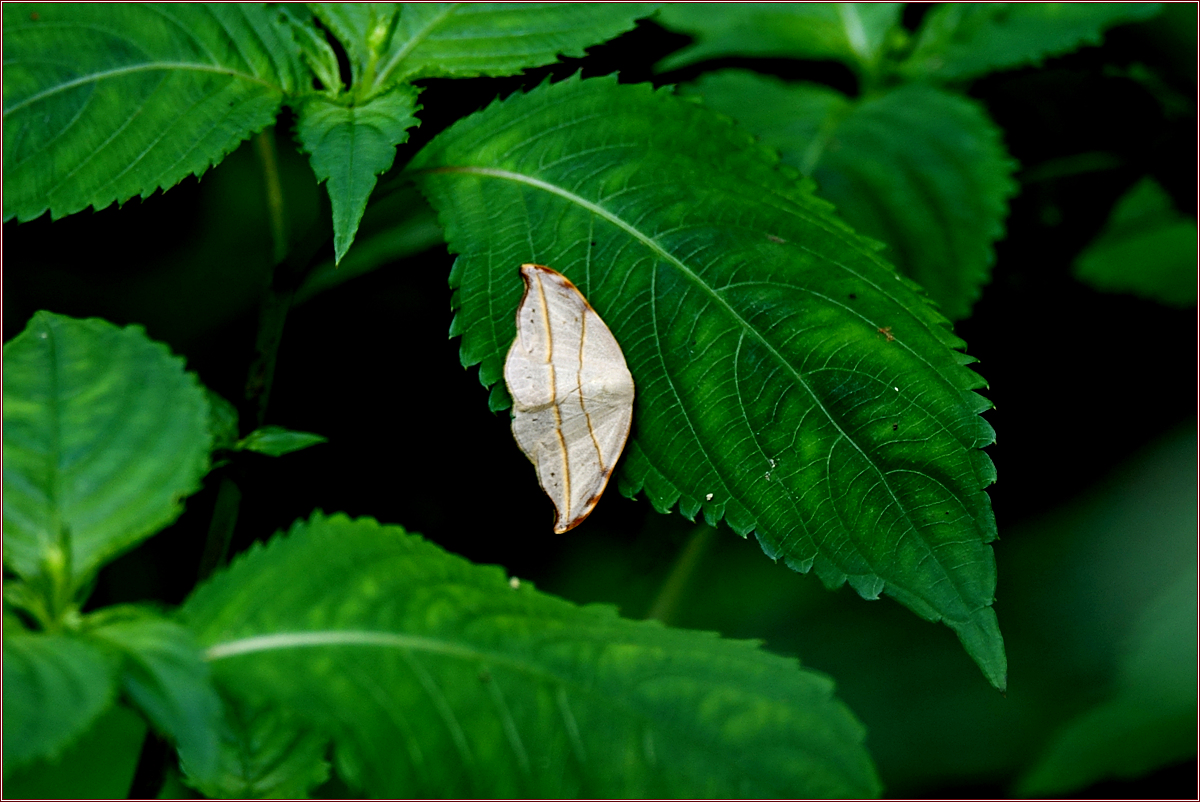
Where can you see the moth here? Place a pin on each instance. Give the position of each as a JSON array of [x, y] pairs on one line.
[[572, 393]]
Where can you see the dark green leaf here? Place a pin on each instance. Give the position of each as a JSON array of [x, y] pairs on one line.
[[55, 687], [100, 765], [787, 379], [350, 145], [459, 40], [918, 168], [1150, 719], [148, 95], [222, 421], [1147, 249], [275, 441], [266, 755], [442, 678], [163, 674], [855, 33], [965, 40], [104, 436]]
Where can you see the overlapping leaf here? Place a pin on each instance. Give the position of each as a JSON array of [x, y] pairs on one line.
[[55, 686], [442, 678], [965, 40], [104, 102], [352, 144], [788, 380], [918, 168], [855, 33], [104, 435]]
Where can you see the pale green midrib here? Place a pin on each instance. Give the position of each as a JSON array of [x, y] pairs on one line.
[[161, 66], [308, 639], [413, 41], [600, 211], [855, 35]]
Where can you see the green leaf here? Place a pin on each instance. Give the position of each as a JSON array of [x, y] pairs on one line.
[[148, 95], [461, 40], [1150, 719], [266, 755], [222, 421], [918, 168], [1147, 249], [349, 146], [966, 40], [104, 436], [99, 765], [787, 379], [854, 33], [163, 674], [442, 678], [276, 441], [55, 687]]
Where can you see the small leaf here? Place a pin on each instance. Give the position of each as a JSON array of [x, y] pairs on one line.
[[854, 33], [1150, 719], [163, 674], [55, 687], [788, 380], [439, 678], [966, 40], [266, 755], [918, 168], [461, 40], [222, 421], [99, 765], [149, 95], [275, 441], [1147, 249], [104, 436], [349, 146]]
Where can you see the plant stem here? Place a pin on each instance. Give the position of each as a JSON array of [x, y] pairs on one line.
[[671, 594], [220, 530]]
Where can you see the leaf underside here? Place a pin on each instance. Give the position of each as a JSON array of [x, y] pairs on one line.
[[437, 677], [789, 381], [102, 103]]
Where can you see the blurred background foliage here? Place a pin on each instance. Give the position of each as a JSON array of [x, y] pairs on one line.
[[1093, 381]]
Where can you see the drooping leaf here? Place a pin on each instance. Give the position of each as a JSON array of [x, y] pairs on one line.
[[102, 103], [854, 33], [918, 168], [275, 441], [966, 40], [265, 754], [460, 40], [441, 678], [1147, 248], [350, 145], [55, 687], [104, 436], [1148, 722], [788, 380], [99, 765], [163, 674]]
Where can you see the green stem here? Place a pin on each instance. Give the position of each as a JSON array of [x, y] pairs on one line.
[[666, 605], [220, 530]]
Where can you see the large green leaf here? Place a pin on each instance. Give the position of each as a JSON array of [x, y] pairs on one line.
[[965, 40], [1146, 248], [442, 678], [164, 676], [918, 168], [104, 435], [104, 102], [350, 144], [787, 379], [55, 686], [855, 33]]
